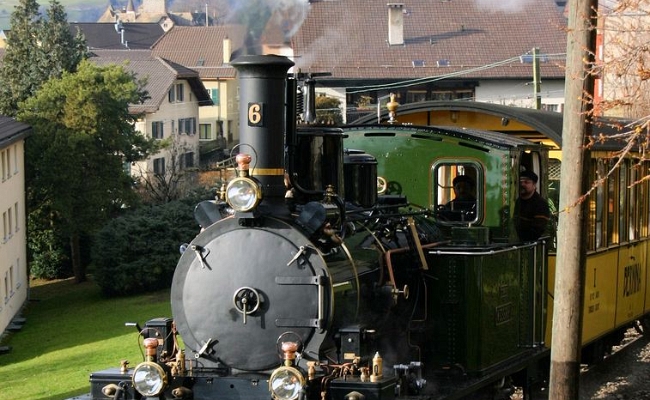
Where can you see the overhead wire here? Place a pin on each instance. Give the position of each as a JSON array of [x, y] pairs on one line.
[[430, 79]]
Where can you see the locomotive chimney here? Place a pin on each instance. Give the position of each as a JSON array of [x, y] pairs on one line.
[[395, 24], [262, 101]]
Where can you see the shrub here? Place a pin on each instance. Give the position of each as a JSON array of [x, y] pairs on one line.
[[48, 257], [138, 251], [50, 264]]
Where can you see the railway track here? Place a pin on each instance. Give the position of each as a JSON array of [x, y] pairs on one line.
[[623, 374]]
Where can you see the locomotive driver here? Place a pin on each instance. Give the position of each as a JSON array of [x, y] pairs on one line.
[[531, 210]]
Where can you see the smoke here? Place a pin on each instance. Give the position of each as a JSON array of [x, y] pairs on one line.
[[510, 6], [331, 39], [260, 16], [289, 15]]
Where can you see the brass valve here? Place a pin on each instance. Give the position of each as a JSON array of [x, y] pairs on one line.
[[289, 349], [243, 164], [124, 366], [150, 345]]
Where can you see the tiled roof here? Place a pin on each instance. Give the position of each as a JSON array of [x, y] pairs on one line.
[[200, 48], [135, 36], [121, 55], [12, 130], [350, 39], [160, 75]]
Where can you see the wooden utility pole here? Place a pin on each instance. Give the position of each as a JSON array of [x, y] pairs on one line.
[[567, 307], [537, 80]]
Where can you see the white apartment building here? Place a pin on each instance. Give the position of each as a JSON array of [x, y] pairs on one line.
[[14, 273]]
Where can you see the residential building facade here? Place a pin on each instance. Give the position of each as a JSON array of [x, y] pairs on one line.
[[153, 11], [208, 50], [171, 112], [176, 119], [14, 273], [622, 82]]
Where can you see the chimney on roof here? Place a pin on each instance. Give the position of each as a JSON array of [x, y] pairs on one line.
[[395, 24], [227, 50]]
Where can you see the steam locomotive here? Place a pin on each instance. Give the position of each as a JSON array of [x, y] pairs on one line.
[[313, 278]]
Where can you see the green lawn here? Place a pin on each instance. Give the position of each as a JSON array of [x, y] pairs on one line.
[[71, 330]]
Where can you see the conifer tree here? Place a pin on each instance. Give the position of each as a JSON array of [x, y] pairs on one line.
[[37, 49]]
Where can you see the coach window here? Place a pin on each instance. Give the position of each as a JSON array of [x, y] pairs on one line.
[[597, 206], [623, 216], [633, 188], [612, 204], [644, 211], [456, 191]]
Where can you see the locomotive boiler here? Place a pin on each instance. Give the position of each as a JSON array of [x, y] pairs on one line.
[[306, 282]]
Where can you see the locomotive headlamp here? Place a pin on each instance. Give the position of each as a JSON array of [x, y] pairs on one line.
[[286, 383], [243, 194], [149, 379]]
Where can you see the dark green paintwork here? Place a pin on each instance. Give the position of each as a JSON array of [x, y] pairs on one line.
[[406, 156], [482, 305]]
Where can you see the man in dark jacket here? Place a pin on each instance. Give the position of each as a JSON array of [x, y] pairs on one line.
[[531, 210], [463, 206]]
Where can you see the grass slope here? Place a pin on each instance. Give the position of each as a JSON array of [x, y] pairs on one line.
[[71, 331]]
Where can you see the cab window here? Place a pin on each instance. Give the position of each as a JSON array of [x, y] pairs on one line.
[[456, 193]]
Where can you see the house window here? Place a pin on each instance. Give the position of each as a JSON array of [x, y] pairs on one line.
[[157, 130], [5, 227], [187, 126], [8, 164], [205, 131], [175, 94], [452, 94], [4, 155], [551, 107], [159, 166], [189, 159], [414, 96], [16, 215], [179, 92], [214, 94]]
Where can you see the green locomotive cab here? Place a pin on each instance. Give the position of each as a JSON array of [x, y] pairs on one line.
[[423, 163]]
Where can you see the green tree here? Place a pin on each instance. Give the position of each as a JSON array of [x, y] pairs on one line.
[[83, 136], [328, 110], [63, 51], [37, 49]]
